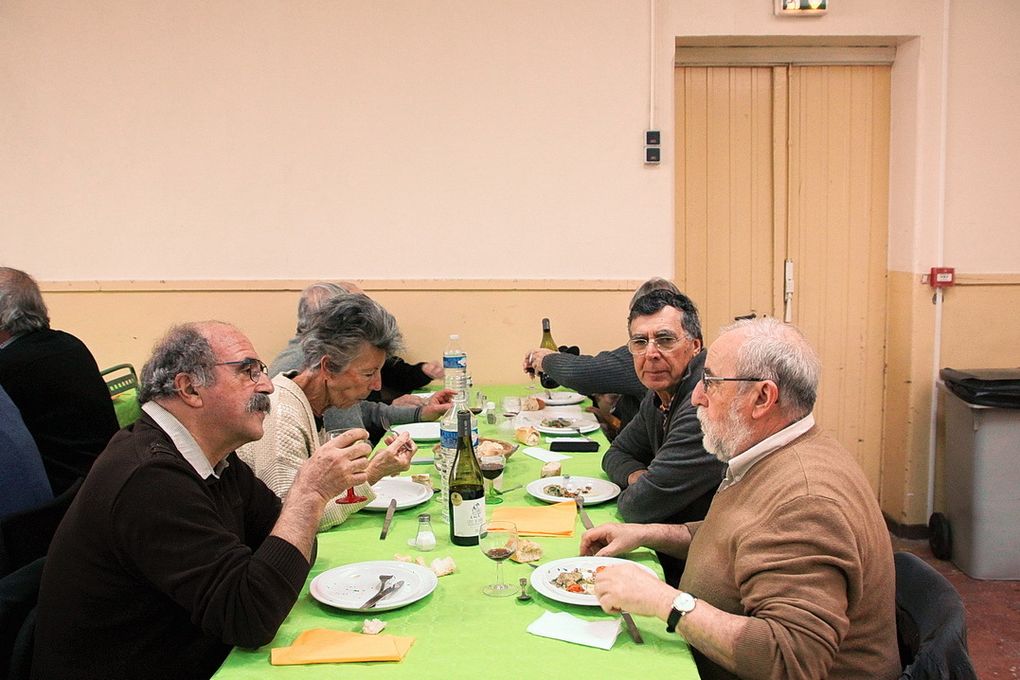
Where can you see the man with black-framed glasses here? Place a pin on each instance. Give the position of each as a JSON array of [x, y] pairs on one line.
[[658, 459], [790, 575]]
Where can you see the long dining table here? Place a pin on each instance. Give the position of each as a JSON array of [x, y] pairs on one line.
[[458, 631]]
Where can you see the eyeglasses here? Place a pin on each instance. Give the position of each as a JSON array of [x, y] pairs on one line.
[[663, 343], [253, 367], [709, 380]]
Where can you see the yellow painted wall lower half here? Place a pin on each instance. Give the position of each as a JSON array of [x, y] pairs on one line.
[[980, 329], [498, 321]]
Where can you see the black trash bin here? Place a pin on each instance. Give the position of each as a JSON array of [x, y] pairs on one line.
[[980, 530]]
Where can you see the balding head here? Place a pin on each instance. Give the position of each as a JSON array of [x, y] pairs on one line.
[[770, 349], [186, 348]]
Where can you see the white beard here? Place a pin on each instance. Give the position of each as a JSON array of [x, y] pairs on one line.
[[722, 439]]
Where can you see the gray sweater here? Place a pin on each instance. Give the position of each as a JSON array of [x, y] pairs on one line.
[[365, 414], [610, 372], [682, 477]]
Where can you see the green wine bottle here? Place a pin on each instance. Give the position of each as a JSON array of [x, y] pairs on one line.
[[467, 493]]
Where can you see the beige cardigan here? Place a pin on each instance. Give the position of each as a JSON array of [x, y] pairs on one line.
[[290, 438]]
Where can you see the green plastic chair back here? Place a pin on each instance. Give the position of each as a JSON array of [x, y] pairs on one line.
[[122, 382]]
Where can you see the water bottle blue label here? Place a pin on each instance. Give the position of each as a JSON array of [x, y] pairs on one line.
[[448, 439], [455, 362]]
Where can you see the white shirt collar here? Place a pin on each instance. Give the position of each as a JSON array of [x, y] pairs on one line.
[[184, 442], [740, 464]]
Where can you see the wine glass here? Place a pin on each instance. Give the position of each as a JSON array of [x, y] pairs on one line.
[[349, 497], [511, 407], [498, 541], [492, 467]]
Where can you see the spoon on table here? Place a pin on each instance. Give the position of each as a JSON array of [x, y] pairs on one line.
[[524, 597]]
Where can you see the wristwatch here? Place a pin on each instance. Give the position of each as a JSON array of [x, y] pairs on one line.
[[683, 604]]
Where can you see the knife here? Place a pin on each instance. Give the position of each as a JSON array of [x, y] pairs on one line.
[[627, 618], [389, 518], [372, 601]]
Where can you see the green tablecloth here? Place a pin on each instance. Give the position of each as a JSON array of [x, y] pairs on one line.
[[459, 631]]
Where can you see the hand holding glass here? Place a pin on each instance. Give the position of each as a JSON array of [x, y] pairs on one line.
[[350, 497]]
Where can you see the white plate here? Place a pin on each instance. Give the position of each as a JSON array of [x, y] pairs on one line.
[[562, 398], [407, 492], [583, 424], [420, 432], [542, 578], [350, 586], [602, 490]]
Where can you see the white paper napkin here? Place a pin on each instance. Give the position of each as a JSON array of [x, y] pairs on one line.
[[563, 626], [543, 455]]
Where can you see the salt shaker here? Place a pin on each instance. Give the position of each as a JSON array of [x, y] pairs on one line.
[[490, 412], [426, 539]]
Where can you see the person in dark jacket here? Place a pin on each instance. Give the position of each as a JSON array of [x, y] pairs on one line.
[[54, 381], [173, 551]]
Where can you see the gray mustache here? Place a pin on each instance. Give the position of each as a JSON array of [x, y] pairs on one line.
[[259, 403]]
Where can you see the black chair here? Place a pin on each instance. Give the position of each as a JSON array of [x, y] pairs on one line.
[[19, 593], [930, 623], [26, 536]]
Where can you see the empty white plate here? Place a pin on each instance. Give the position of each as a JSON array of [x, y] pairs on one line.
[[423, 432], [407, 492]]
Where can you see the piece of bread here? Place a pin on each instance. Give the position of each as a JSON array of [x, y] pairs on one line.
[[372, 626], [552, 469], [425, 480], [527, 551], [443, 566], [407, 558], [489, 448], [532, 403], [528, 436]]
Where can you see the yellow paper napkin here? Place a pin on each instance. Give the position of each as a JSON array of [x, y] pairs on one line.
[[549, 520], [321, 645]]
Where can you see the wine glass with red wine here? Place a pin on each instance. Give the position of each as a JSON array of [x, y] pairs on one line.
[[350, 497], [498, 541], [492, 467]]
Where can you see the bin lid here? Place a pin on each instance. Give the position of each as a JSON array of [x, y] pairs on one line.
[[998, 387]]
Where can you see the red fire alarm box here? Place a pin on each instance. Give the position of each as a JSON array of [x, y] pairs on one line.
[[941, 277]]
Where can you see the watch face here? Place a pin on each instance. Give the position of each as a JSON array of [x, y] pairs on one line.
[[684, 602]]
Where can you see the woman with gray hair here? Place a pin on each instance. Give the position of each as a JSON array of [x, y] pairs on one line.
[[344, 346]]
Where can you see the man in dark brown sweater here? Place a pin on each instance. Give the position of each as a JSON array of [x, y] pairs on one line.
[[790, 575], [173, 551]]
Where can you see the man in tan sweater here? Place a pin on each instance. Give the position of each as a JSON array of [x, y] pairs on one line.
[[790, 575]]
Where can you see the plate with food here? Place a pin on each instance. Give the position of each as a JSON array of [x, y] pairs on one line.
[[420, 432], [563, 488], [408, 493], [565, 425], [562, 398], [350, 586], [572, 579]]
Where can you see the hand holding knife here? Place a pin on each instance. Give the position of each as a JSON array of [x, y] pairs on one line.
[[627, 618]]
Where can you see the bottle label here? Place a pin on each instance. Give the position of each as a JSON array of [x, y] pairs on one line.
[[468, 515], [454, 362], [448, 439]]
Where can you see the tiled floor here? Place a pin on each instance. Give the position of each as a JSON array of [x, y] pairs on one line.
[[993, 615]]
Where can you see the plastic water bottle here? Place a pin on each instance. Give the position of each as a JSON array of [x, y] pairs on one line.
[[448, 445], [455, 365]]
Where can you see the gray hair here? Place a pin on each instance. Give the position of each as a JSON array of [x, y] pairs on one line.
[[22, 309], [340, 328], [184, 349], [654, 283], [659, 299], [776, 351], [311, 301]]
